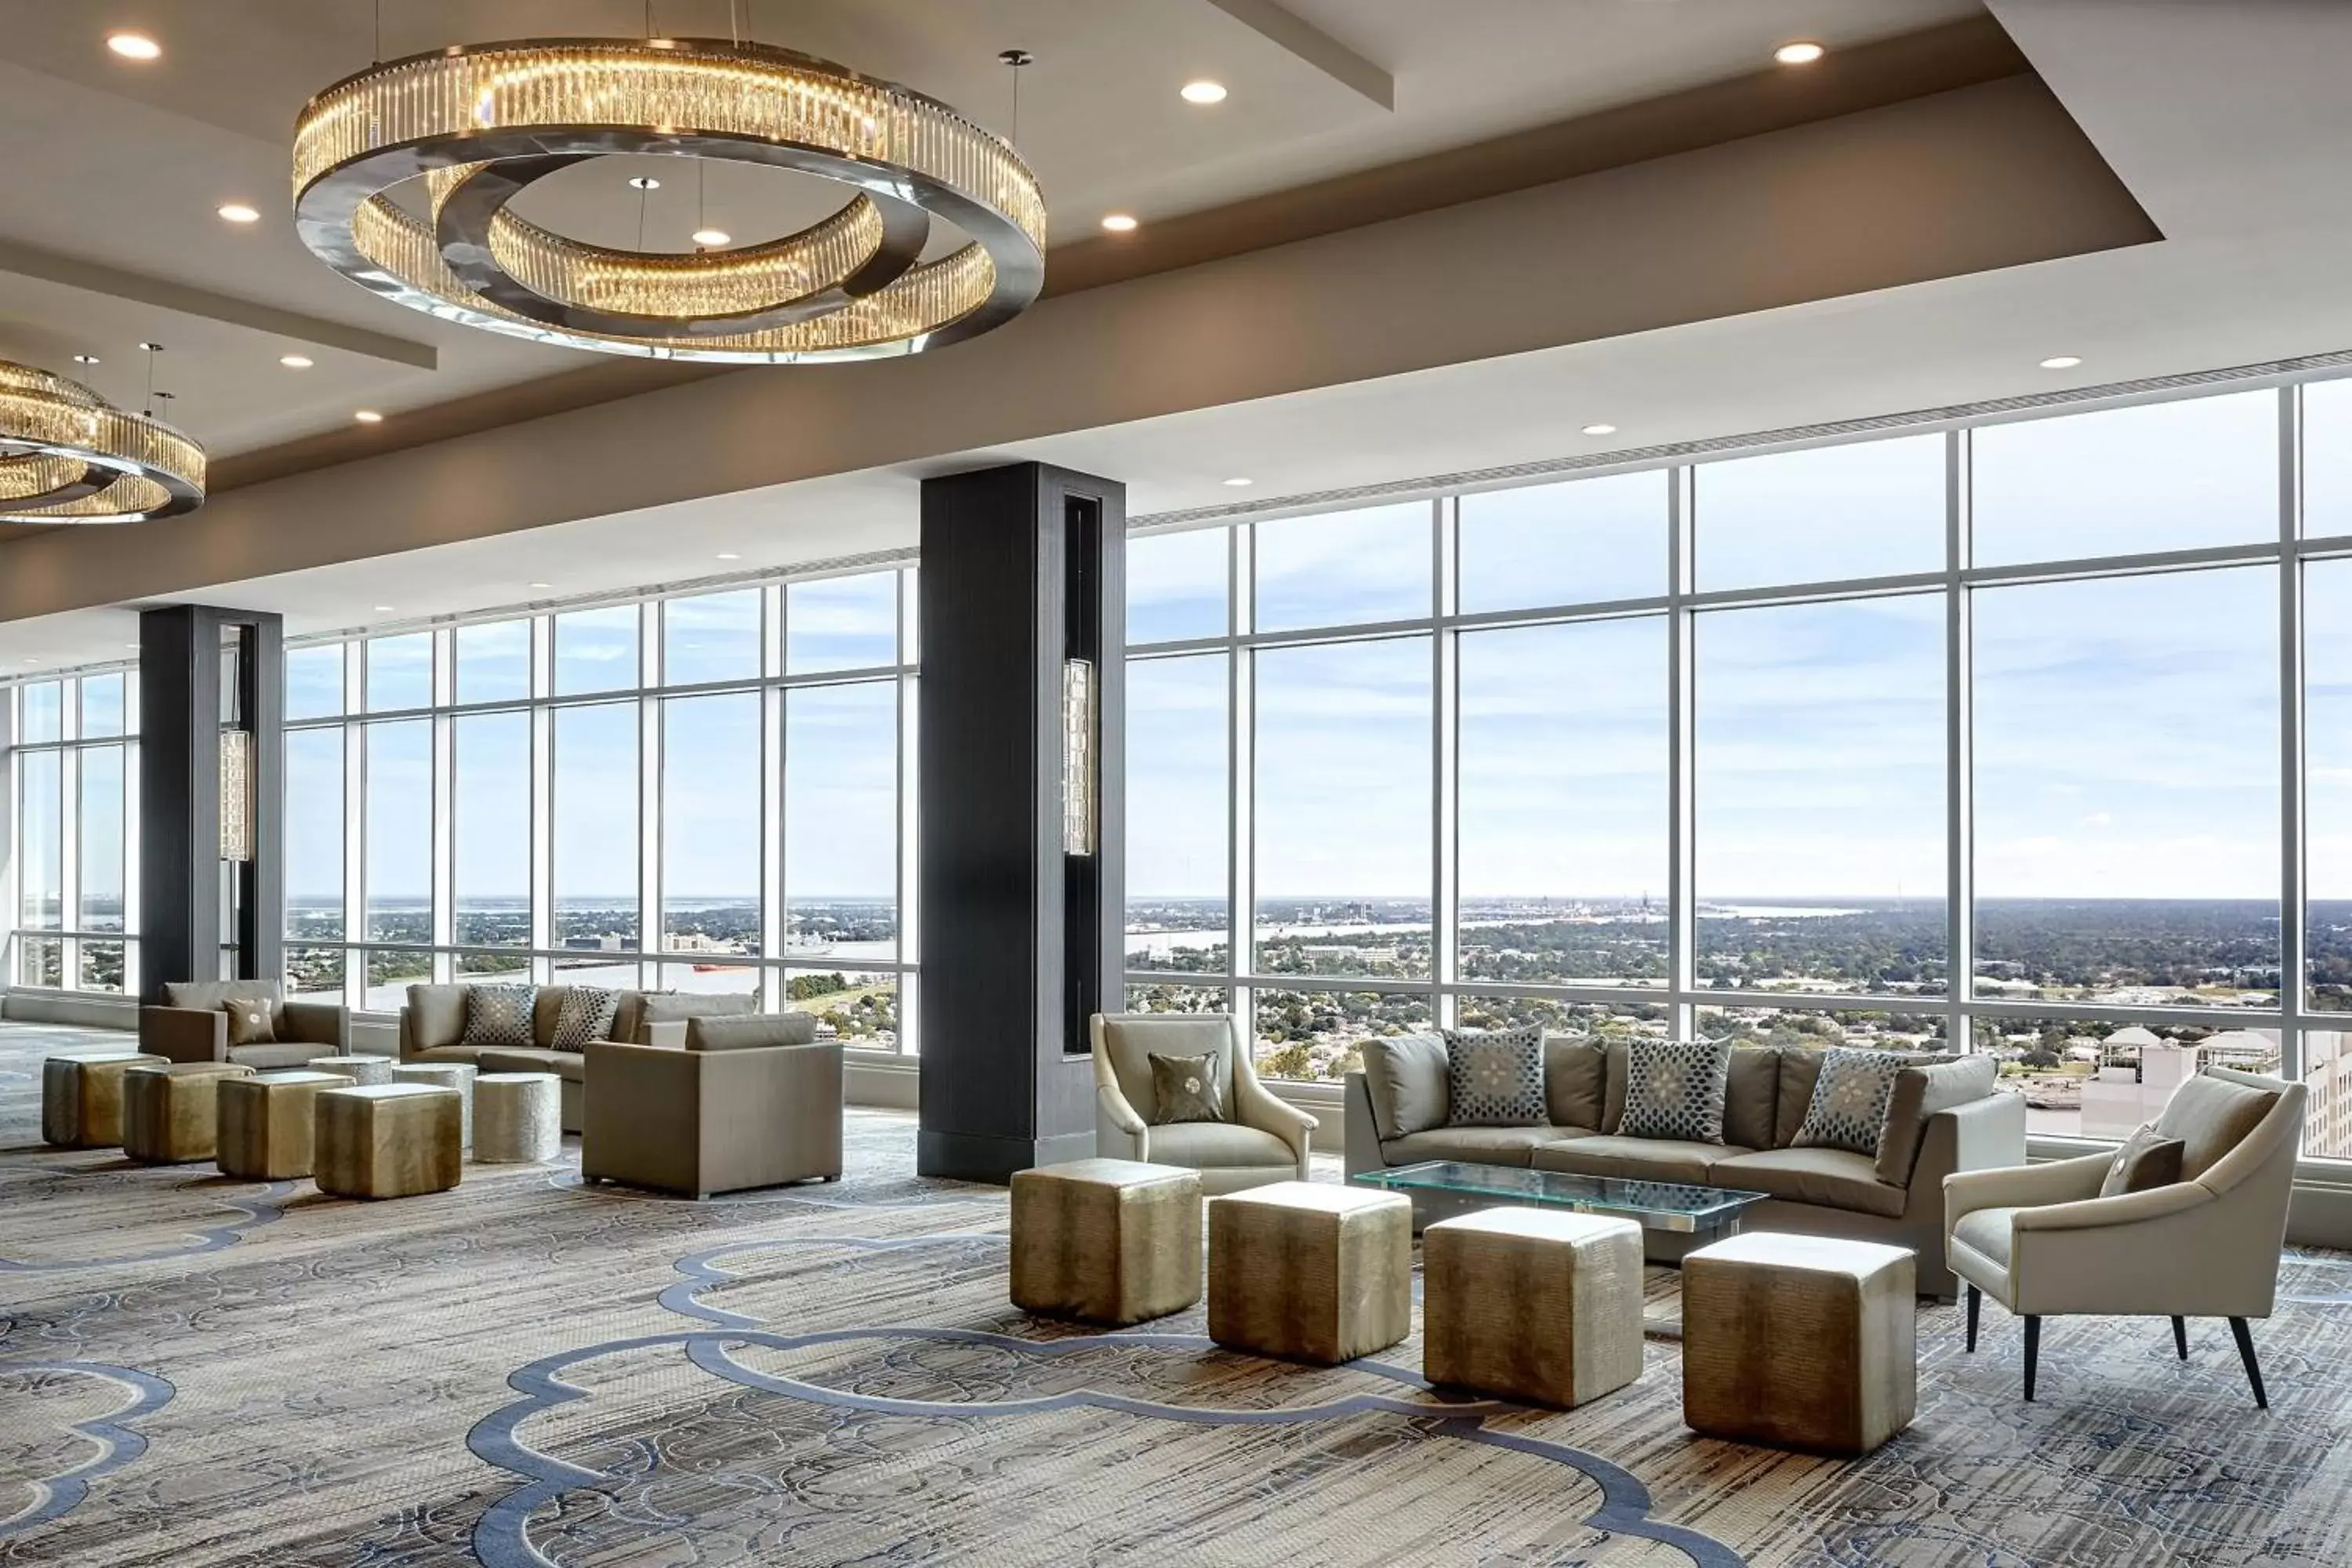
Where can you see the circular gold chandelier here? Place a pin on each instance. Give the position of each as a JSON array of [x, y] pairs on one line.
[[69, 455], [479, 123]]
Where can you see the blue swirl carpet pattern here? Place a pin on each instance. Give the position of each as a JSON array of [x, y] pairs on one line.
[[531, 1373]]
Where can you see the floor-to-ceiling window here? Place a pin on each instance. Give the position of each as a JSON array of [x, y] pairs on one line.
[[699, 792], [71, 846], [2024, 736]]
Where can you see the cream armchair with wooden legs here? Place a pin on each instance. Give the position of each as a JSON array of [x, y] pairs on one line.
[[1259, 1139], [2042, 1241]]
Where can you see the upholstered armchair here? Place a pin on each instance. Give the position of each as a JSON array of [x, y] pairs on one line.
[[193, 1025], [1259, 1139], [2042, 1242], [749, 1102]]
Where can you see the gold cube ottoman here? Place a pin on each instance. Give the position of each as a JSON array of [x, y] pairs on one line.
[[459, 1075], [170, 1113], [1110, 1241], [386, 1139], [1800, 1342], [81, 1096], [1532, 1304], [1309, 1270], [359, 1070], [266, 1122]]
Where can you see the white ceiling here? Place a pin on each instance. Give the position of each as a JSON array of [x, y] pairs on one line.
[[2227, 122], [123, 164]]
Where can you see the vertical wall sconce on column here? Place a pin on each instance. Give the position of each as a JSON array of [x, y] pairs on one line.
[[237, 794], [1078, 814]]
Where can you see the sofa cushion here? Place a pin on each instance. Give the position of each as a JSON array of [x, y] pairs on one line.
[[570, 1066], [1988, 1232], [1674, 1089], [1478, 1146], [1833, 1178], [498, 1015], [1495, 1077], [215, 995], [448, 1054], [1613, 1088], [1576, 1082], [587, 1014], [1405, 1077], [1751, 1097], [1633, 1158], [271, 1055], [2211, 1116], [2147, 1159], [640, 1016], [435, 1016], [1218, 1145], [1850, 1101], [1800, 1068], [1129, 1039], [1923, 1089], [751, 1034]]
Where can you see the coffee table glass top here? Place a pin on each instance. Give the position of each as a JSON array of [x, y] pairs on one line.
[[1657, 1206]]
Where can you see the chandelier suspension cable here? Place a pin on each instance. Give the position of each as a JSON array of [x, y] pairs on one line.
[[379, 32], [152, 350]]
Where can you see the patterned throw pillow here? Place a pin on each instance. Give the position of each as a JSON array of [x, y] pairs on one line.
[[1188, 1088], [1495, 1077], [1851, 1099], [251, 1021], [1675, 1088], [585, 1014], [499, 1015]]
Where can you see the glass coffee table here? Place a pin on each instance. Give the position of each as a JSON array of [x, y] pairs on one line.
[[1440, 1188]]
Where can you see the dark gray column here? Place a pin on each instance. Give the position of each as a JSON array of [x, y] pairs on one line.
[[202, 669], [1024, 569]]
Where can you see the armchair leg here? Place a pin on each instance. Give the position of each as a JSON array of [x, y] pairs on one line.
[[2254, 1368], [1976, 1307], [2180, 1337], [2032, 1353]]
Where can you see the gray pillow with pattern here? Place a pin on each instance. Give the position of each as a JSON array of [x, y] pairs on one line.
[[1851, 1097], [1188, 1088], [1675, 1088], [499, 1015], [1495, 1077], [585, 1014]]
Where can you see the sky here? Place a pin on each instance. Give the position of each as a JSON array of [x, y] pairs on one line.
[[2126, 729]]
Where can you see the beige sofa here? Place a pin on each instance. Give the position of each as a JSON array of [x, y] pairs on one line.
[[747, 1102], [192, 1026], [433, 1027], [1261, 1141], [1946, 1116]]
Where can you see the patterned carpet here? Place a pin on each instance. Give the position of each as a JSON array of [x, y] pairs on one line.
[[526, 1371]]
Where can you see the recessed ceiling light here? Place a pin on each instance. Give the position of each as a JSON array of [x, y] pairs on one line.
[[1601, 429], [2061, 362], [1204, 92], [1803, 52], [130, 645], [644, 183], [151, 348], [238, 212], [134, 45], [383, 609], [1119, 223], [85, 359], [712, 238], [295, 362], [728, 555], [368, 416], [541, 584], [1239, 483]]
